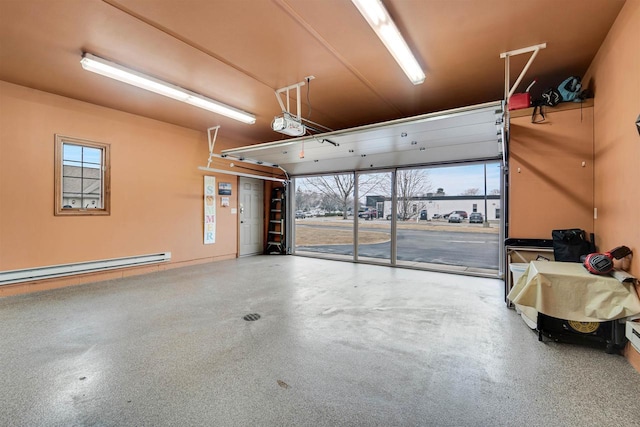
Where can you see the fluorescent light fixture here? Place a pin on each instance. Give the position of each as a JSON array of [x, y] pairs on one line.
[[118, 72], [378, 18]]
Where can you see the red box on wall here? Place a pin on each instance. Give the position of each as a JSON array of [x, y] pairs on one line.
[[519, 101]]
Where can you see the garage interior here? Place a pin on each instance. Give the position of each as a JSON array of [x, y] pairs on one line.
[[160, 307]]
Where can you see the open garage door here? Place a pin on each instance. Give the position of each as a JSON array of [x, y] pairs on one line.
[[462, 134], [428, 167]]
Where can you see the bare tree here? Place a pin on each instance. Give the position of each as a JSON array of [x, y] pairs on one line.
[[470, 192], [335, 187], [411, 183], [339, 188], [300, 198]]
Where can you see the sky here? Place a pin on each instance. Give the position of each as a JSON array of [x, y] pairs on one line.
[[77, 155], [456, 179]]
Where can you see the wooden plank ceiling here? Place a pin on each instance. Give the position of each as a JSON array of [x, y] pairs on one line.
[[239, 52]]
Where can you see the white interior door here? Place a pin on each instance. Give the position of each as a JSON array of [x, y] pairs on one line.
[[251, 197]]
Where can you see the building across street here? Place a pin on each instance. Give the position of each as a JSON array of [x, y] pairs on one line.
[[436, 206]]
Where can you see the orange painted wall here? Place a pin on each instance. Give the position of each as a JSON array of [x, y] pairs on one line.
[[156, 188], [614, 76], [551, 173]]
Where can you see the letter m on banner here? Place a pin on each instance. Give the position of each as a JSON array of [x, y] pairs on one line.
[[209, 210]]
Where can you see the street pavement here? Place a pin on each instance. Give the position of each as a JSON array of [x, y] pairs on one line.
[[468, 249]]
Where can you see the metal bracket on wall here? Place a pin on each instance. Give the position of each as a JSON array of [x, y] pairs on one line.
[[508, 90], [212, 142]]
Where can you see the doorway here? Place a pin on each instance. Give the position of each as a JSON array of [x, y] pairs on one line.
[[251, 199]]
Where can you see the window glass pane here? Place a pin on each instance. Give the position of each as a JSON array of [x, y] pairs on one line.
[[324, 215], [90, 173], [91, 157], [454, 229], [90, 186], [374, 227], [72, 170], [71, 153], [71, 192]]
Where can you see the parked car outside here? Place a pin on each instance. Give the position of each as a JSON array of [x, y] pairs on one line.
[[455, 218], [399, 216], [463, 214], [300, 215], [476, 217], [436, 216], [369, 214]]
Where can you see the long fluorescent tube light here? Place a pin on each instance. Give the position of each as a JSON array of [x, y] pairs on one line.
[[378, 18], [118, 72]]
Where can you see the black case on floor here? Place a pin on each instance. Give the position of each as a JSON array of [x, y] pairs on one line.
[[608, 334]]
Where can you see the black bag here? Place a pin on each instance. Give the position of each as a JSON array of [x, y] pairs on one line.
[[551, 97], [569, 245]]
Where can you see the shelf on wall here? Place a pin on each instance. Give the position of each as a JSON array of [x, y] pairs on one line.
[[563, 106]]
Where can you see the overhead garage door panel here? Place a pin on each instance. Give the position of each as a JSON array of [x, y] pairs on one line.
[[462, 134]]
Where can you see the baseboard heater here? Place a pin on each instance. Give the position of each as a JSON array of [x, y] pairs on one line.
[[53, 271]]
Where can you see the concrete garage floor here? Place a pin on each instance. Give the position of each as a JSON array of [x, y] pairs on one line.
[[338, 344]]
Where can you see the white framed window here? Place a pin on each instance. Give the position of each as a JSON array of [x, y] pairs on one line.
[[82, 177]]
